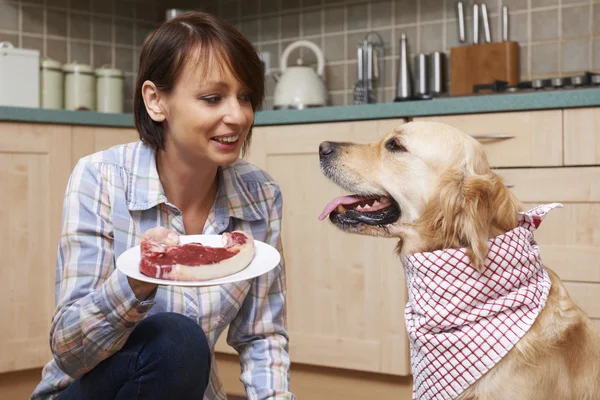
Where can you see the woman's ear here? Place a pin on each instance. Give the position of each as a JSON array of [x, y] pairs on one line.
[[466, 211], [152, 99]]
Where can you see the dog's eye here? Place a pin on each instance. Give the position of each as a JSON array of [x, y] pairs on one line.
[[393, 145]]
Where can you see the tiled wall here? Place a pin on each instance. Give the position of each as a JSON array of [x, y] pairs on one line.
[[557, 37], [93, 32]]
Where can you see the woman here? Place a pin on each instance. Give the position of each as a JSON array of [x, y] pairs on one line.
[[113, 337]]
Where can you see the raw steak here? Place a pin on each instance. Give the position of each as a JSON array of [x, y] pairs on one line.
[[194, 261]]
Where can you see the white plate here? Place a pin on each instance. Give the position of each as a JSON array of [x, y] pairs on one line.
[[265, 259]]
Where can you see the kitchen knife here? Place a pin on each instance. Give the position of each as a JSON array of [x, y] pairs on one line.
[[475, 23], [486, 23], [461, 21]]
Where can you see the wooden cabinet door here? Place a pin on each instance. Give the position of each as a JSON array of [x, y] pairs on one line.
[[346, 293], [90, 139], [582, 136], [514, 139], [569, 237], [35, 160]]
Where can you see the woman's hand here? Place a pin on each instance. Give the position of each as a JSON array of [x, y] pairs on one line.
[[142, 290]]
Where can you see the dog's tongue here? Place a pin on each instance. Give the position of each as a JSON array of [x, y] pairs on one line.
[[332, 205]]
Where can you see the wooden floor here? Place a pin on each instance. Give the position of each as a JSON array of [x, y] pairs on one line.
[[307, 382]]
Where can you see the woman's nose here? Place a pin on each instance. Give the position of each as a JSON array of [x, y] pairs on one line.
[[234, 113]]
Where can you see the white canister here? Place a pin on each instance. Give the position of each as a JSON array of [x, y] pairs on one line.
[[109, 90], [80, 87], [51, 84]]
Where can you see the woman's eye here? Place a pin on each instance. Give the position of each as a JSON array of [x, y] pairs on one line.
[[211, 99], [246, 97]]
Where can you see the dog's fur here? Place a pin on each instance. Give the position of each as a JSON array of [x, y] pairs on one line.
[[450, 198]]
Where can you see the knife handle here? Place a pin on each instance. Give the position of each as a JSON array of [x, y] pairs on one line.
[[475, 23], [486, 23], [461, 21]]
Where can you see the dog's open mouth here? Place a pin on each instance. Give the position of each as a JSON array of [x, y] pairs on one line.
[[357, 209]]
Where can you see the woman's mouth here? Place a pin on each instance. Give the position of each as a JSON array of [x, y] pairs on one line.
[[226, 142]]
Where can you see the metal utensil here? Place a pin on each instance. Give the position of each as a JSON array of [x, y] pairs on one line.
[[505, 23], [370, 95], [486, 23], [359, 88], [436, 76], [475, 23], [421, 67], [404, 85], [461, 21]]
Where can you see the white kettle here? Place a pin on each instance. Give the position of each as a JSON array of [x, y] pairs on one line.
[[300, 86]]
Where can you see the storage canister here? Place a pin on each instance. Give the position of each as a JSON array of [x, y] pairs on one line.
[[80, 87], [19, 76], [51, 84], [109, 90]]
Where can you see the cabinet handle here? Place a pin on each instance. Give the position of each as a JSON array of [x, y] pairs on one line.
[[509, 185], [494, 136]]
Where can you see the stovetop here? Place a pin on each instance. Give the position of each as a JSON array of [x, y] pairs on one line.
[[588, 80]]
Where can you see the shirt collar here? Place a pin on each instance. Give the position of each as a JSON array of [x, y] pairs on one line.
[[234, 198]]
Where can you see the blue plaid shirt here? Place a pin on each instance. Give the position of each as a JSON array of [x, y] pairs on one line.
[[112, 198]]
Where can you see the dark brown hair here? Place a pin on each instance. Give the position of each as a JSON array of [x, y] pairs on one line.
[[202, 37]]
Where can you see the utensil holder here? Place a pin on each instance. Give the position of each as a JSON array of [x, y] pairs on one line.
[[483, 63]]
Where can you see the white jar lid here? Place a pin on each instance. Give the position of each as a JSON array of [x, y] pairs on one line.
[[77, 68], [106, 71], [49, 63]]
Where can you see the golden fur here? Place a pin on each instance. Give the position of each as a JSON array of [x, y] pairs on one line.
[[450, 198]]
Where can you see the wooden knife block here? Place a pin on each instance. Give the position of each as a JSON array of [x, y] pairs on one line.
[[483, 63]]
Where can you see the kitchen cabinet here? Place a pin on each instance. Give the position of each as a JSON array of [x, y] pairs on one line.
[[346, 292], [34, 167], [514, 139], [582, 136]]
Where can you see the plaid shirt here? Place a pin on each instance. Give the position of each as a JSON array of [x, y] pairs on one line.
[[112, 198]]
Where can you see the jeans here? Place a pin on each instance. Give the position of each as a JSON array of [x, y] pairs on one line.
[[166, 357]]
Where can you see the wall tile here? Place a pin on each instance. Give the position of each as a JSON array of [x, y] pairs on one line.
[[544, 58], [56, 23], [575, 56], [33, 19], [544, 25], [57, 49], [80, 26], [9, 17], [431, 10], [335, 48], [543, 3], [290, 26], [575, 21], [356, 17], [381, 14], [311, 23], [405, 12], [269, 29], [334, 19], [80, 52]]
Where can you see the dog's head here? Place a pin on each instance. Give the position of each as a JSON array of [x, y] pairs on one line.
[[426, 183]]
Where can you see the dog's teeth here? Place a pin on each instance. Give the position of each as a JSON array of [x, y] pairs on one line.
[[366, 207], [340, 208], [359, 207], [375, 203]]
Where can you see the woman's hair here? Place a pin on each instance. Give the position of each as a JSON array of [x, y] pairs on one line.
[[193, 37]]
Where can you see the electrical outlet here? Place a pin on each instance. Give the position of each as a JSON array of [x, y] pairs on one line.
[[265, 57]]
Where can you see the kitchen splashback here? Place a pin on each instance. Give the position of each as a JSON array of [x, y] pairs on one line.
[[94, 32], [556, 37]]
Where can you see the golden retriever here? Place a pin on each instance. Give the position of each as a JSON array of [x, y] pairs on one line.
[[430, 186]]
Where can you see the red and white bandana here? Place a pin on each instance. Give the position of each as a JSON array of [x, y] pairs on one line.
[[461, 322]]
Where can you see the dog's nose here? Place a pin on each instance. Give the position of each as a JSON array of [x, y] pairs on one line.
[[326, 148]]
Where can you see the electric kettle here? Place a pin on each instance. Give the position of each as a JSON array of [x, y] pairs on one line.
[[300, 86]]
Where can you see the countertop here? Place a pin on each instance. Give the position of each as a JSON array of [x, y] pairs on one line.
[[481, 103]]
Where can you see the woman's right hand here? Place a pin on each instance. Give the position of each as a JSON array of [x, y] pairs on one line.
[[142, 290]]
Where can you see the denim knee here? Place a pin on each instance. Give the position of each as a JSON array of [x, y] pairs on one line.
[[175, 344]]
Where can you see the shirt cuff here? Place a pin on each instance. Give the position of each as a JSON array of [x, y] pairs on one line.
[[116, 300]]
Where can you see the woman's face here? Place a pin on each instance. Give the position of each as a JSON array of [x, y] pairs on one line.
[[207, 115]]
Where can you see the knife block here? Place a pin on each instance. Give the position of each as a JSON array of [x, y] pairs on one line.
[[483, 63]]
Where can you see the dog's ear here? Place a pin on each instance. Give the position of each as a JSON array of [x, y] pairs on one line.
[[466, 211]]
